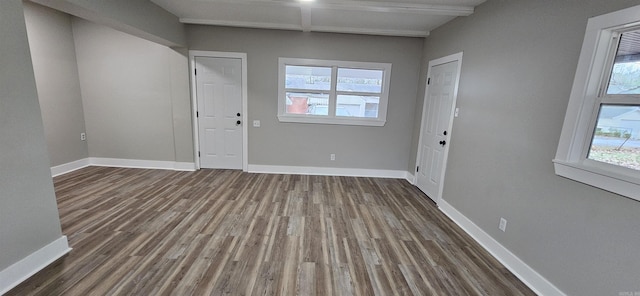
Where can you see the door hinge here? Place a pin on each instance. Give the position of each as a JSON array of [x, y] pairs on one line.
[[197, 115], [195, 71], [428, 80], [198, 153], [417, 168]]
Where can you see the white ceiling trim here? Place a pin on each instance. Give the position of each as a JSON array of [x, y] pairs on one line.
[[371, 6], [366, 31], [387, 17], [259, 25], [428, 9], [305, 13], [326, 29]]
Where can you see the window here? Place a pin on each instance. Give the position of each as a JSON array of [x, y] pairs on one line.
[[600, 140], [333, 92], [616, 139]]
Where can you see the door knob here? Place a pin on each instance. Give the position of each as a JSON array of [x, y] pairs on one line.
[[445, 133], [443, 143], [238, 114], [238, 122]]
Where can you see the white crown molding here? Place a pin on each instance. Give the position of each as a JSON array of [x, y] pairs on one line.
[[530, 277], [30, 265]]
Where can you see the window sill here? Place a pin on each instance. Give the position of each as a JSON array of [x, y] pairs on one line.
[[334, 120], [617, 183]]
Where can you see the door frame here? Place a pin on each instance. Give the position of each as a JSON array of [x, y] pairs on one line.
[[433, 63], [194, 101]]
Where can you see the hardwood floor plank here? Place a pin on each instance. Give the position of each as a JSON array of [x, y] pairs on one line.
[[357, 267], [229, 281], [267, 282], [312, 248], [382, 284], [289, 272], [306, 283], [213, 232], [218, 262]]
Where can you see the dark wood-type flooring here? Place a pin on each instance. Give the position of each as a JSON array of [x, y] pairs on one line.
[[215, 232]]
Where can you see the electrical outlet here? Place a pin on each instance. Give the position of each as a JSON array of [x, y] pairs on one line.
[[83, 136], [333, 156], [503, 224]]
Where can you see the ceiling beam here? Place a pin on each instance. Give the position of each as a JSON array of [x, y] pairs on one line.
[[372, 6], [241, 24], [326, 29], [158, 25], [427, 9], [370, 31], [305, 12]]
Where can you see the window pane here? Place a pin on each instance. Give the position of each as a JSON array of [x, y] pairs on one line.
[[616, 139], [625, 76], [359, 80], [305, 77], [357, 106], [307, 103]]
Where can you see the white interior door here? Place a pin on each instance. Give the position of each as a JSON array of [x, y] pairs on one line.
[[437, 120], [219, 99]]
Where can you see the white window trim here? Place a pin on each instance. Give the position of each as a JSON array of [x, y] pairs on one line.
[[579, 123], [331, 118]]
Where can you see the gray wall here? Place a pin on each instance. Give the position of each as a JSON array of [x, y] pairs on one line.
[[518, 67], [56, 70], [140, 18], [28, 213], [135, 95], [296, 144]]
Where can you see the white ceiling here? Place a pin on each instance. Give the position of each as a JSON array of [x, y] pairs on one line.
[[375, 17]]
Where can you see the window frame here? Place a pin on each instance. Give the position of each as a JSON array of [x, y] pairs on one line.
[[333, 92], [587, 95]]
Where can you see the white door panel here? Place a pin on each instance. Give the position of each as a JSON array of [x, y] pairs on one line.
[[219, 97], [435, 134]]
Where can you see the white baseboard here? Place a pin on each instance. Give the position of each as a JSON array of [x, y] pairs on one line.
[[142, 164], [410, 178], [526, 274], [184, 166], [69, 167], [28, 266], [122, 163], [253, 168], [324, 171]]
